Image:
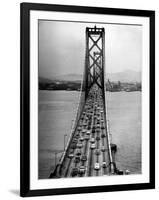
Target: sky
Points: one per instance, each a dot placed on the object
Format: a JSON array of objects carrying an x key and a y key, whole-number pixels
[{"x": 62, "y": 47}]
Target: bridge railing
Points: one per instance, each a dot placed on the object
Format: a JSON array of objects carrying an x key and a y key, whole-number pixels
[
  {"x": 78, "y": 112},
  {"x": 107, "y": 128}
]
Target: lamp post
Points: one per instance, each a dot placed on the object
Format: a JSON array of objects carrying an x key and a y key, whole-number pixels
[
  {"x": 108, "y": 123},
  {"x": 65, "y": 136},
  {"x": 55, "y": 158},
  {"x": 72, "y": 124}
]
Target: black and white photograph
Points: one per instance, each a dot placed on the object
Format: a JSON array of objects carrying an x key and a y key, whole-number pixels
[
  {"x": 86, "y": 99},
  {"x": 89, "y": 98}
]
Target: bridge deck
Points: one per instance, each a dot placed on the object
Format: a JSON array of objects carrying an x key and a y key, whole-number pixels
[{"x": 88, "y": 153}]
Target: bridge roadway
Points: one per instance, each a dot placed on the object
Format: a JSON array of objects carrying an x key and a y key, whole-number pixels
[{"x": 87, "y": 153}]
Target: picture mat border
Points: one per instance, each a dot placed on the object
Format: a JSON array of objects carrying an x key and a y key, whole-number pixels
[
  {"x": 25, "y": 95},
  {"x": 87, "y": 181}
]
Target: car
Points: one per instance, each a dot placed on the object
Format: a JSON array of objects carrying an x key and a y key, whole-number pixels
[
  {"x": 73, "y": 146},
  {"x": 89, "y": 126},
  {"x": 84, "y": 158},
  {"x": 84, "y": 124},
  {"x": 127, "y": 172},
  {"x": 119, "y": 172},
  {"x": 97, "y": 152},
  {"x": 78, "y": 153},
  {"x": 83, "y": 131},
  {"x": 104, "y": 164},
  {"x": 93, "y": 130},
  {"x": 81, "y": 139},
  {"x": 92, "y": 140},
  {"x": 71, "y": 155},
  {"x": 77, "y": 159},
  {"x": 95, "y": 114},
  {"x": 75, "y": 140},
  {"x": 77, "y": 136},
  {"x": 82, "y": 170},
  {"x": 71, "y": 151},
  {"x": 103, "y": 135},
  {"x": 79, "y": 145},
  {"x": 97, "y": 138},
  {"x": 86, "y": 137},
  {"x": 88, "y": 132},
  {"x": 98, "y": 129},
  {"x": 98, "y": 108},
  {"x": 79, "y": 128},
  {"x": 74, "y": 171},
  {"x": 82, "y": 118},
  {"x": 96, "y": 166},
  {"x": 103, "y": 149},
  {"x": 90, "y": 117},
  {"x": 93, "y": 146},
  {"x": 94, "y": 126},
  {"x": 102, "y": 127}
]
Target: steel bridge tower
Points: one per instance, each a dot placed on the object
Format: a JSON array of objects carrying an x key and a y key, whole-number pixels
[{"x": 94, "y": 60}]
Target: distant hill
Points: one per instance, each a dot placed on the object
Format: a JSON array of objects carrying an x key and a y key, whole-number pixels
[
  {"x": 44, "y": 80},
  {"x": 125, "y": 76},
  {"x": 69, "y": 77}
]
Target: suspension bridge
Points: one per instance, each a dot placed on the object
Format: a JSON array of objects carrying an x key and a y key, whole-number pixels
[{"x": 89, "y": 150}]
